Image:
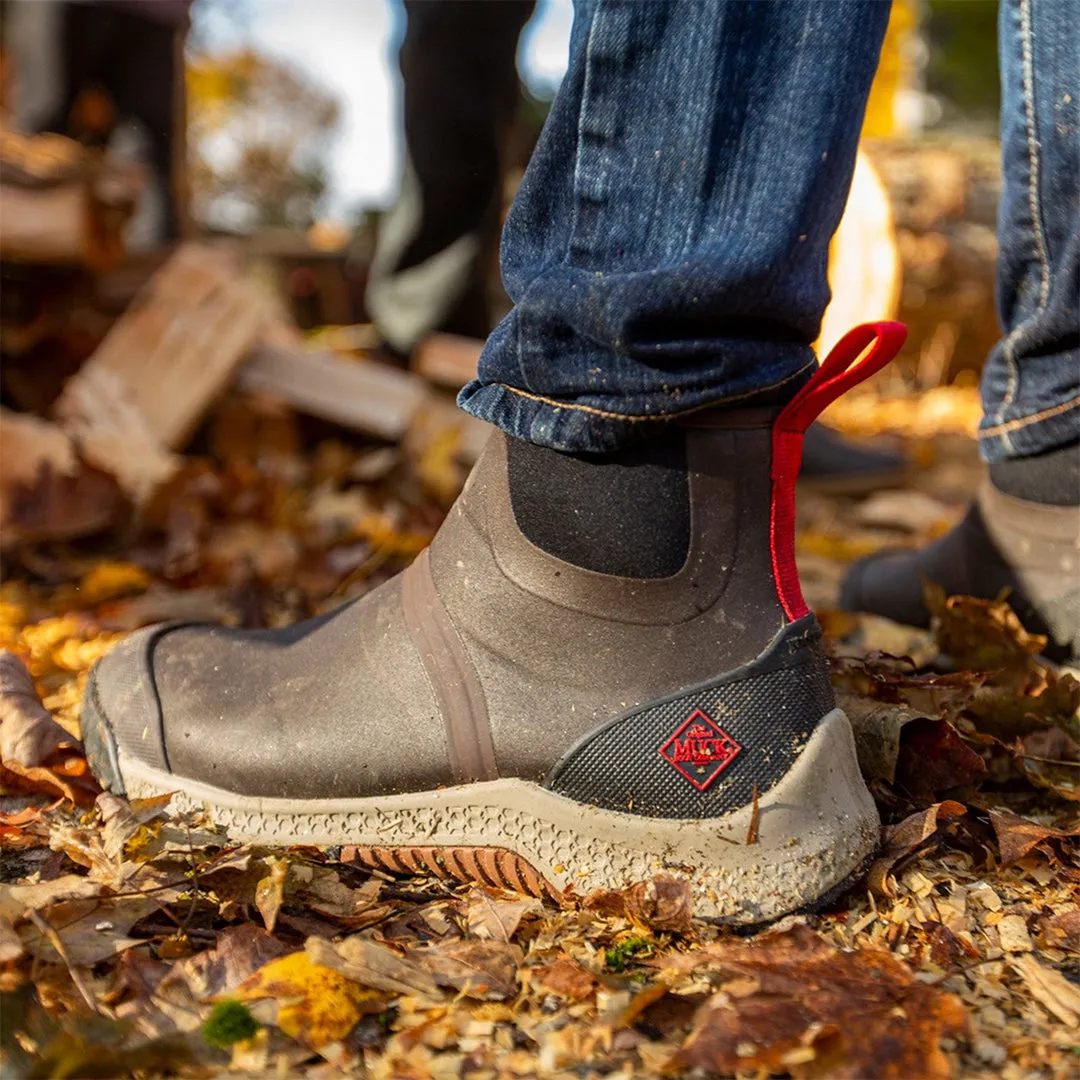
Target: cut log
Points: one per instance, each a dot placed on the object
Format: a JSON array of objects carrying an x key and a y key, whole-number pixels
[
  {"x": 447, "y": 359},
  {"x": 49, "y": 225},
  {"x": 62, "y": 205},
  {"x": 46, "y": 492},
  {"x": 164, "y": 361},
  {"x": 359, "y": 394}
]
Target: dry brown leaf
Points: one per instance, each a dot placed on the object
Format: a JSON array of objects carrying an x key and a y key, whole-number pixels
[
  {"x": 29, "y": 735},
  {"x": 822, "y": 1013},
  {"x": 1017, "y": 836},
  {"x": 980, "y": 635},
  {"x": 1061, "y": 930},
  {"x": 565, "y": 977},
  {"x": 933, "y": 760},
  {"x": 1050, "y": 759},
  {"x": 371, "y": 964},
  {"x": 488, "y": 914},
  {"x": 15, "y": 899},
  {"x": 90, "y": 930},
  {"x": 907, "y": 838},
  {"x": 240, "y": 952},
  {"x": 483, "y": 969},
  {"x": 68, "y": 775},
  {"x": 270, "y": 891},
  {"x": 25, "y": 828},
  {"x": 322, "y": 890},
  {"x": 662, "y": 903},
  {"x": 11, "y": 946}
]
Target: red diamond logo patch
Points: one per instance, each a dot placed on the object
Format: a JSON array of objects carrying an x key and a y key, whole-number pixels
[{"x": 701, "y": 750}]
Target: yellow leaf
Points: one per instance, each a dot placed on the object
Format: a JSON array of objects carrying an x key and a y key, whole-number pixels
[
  {"x": 107, "y": 580},
  {"x": 316, "y": 1005},
  {"x": 833, "y": 546}
]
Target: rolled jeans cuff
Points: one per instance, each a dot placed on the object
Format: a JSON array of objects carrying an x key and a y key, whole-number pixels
[
  {"x": 1022, "y": 436},
  {"x": 577, "y": 427}
]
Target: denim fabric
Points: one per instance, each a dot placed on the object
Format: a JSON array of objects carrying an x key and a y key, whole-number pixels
[
  {"x": 1031, "y": 383},
  {"x": 668, "y": 246}
]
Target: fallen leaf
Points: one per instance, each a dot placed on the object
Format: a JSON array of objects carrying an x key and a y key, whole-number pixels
[
  {"x": 316, "y": 1005},
  {"x": 1050, "y": 759},
  {"x": 932, "y": 759},
  {"x": 67, "y": 775},
  {"x": 29, "y": 735},
  {"x": 565, "y": 977},
  {"x": 876, "y": 726},
  {"x": 108, "y": 580},
  {"x": 489, "y": 915},
  {"x": 270, "y": 891},
  {"x": 1061, "y": 930},
  {"x": 914, "y": 834},
  {"x": 90, "y": 930},
  {"x": 980, "y": 635},
  {"x": 662, "y": 903},
  {"x": 26, "y": 828},
  {"x": 1016, "y": 705},
  {"x": 240, "y": 952},
  {"x": 11, "y": 946},
  {"x": 483, "y": 969},
  {"x": 370, "y": 964},
  {"x": 321, "y": 889},
  {"x": 15, "y": 899},
  {"x": 893, "y": 679},
  {"x": 124, "y": 819},
  {"x": 1018, "y": 837},
  {"x": 821, "y": 1013}
]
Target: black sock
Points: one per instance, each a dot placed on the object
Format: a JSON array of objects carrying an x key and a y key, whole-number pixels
[
  {"x": 1052, "y": 477},
  {"x": 626, "y": 513}
]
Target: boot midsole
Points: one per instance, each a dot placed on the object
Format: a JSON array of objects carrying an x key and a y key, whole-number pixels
[{"x": 814, "y": 828}]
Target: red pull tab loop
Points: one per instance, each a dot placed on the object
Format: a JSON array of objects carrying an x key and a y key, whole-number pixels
[
  {"x": 844, "y": 367},
  {"x": 841, "y": 370}
]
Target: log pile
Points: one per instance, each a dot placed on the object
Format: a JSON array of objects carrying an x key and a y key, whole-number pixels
[
  {"x": 61, "y": 204},
  {"x": 111, "y": 379}
]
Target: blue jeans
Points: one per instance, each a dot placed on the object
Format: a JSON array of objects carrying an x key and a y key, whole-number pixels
[
  {"x": 1031, "y": 382},
  {"x": 668, "y": 246}
]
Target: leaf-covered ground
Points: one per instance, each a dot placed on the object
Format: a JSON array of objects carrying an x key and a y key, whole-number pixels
[{"x": 135, "y": 942}]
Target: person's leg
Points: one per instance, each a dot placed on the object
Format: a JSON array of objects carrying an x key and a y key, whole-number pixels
[
  {"x": 668, "y": 246},
  {"x": 434, "y": 249},
  {"x": 143, "y": 77},
  {"x": 1020, "y": 537},
  {"x": 603, "y": 666}
]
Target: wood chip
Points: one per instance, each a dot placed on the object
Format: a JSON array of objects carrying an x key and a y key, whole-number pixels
[{"x": 1050, "y": 989}]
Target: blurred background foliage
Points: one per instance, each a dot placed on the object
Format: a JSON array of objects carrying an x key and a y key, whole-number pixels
[
  {"x": 259, "y": 132},
  {"x": 262, "y": 129},
  {"x": 961, "y": 66}
]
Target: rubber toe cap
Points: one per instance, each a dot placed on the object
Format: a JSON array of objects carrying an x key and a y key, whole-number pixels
[{"x": 121, "y": 708}]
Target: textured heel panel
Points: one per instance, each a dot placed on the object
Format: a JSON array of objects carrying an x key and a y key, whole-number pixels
[{"x": 702, "y": 752}]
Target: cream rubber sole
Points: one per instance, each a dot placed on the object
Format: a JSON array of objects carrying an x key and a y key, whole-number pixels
[{"x": 816, "y": 828}]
